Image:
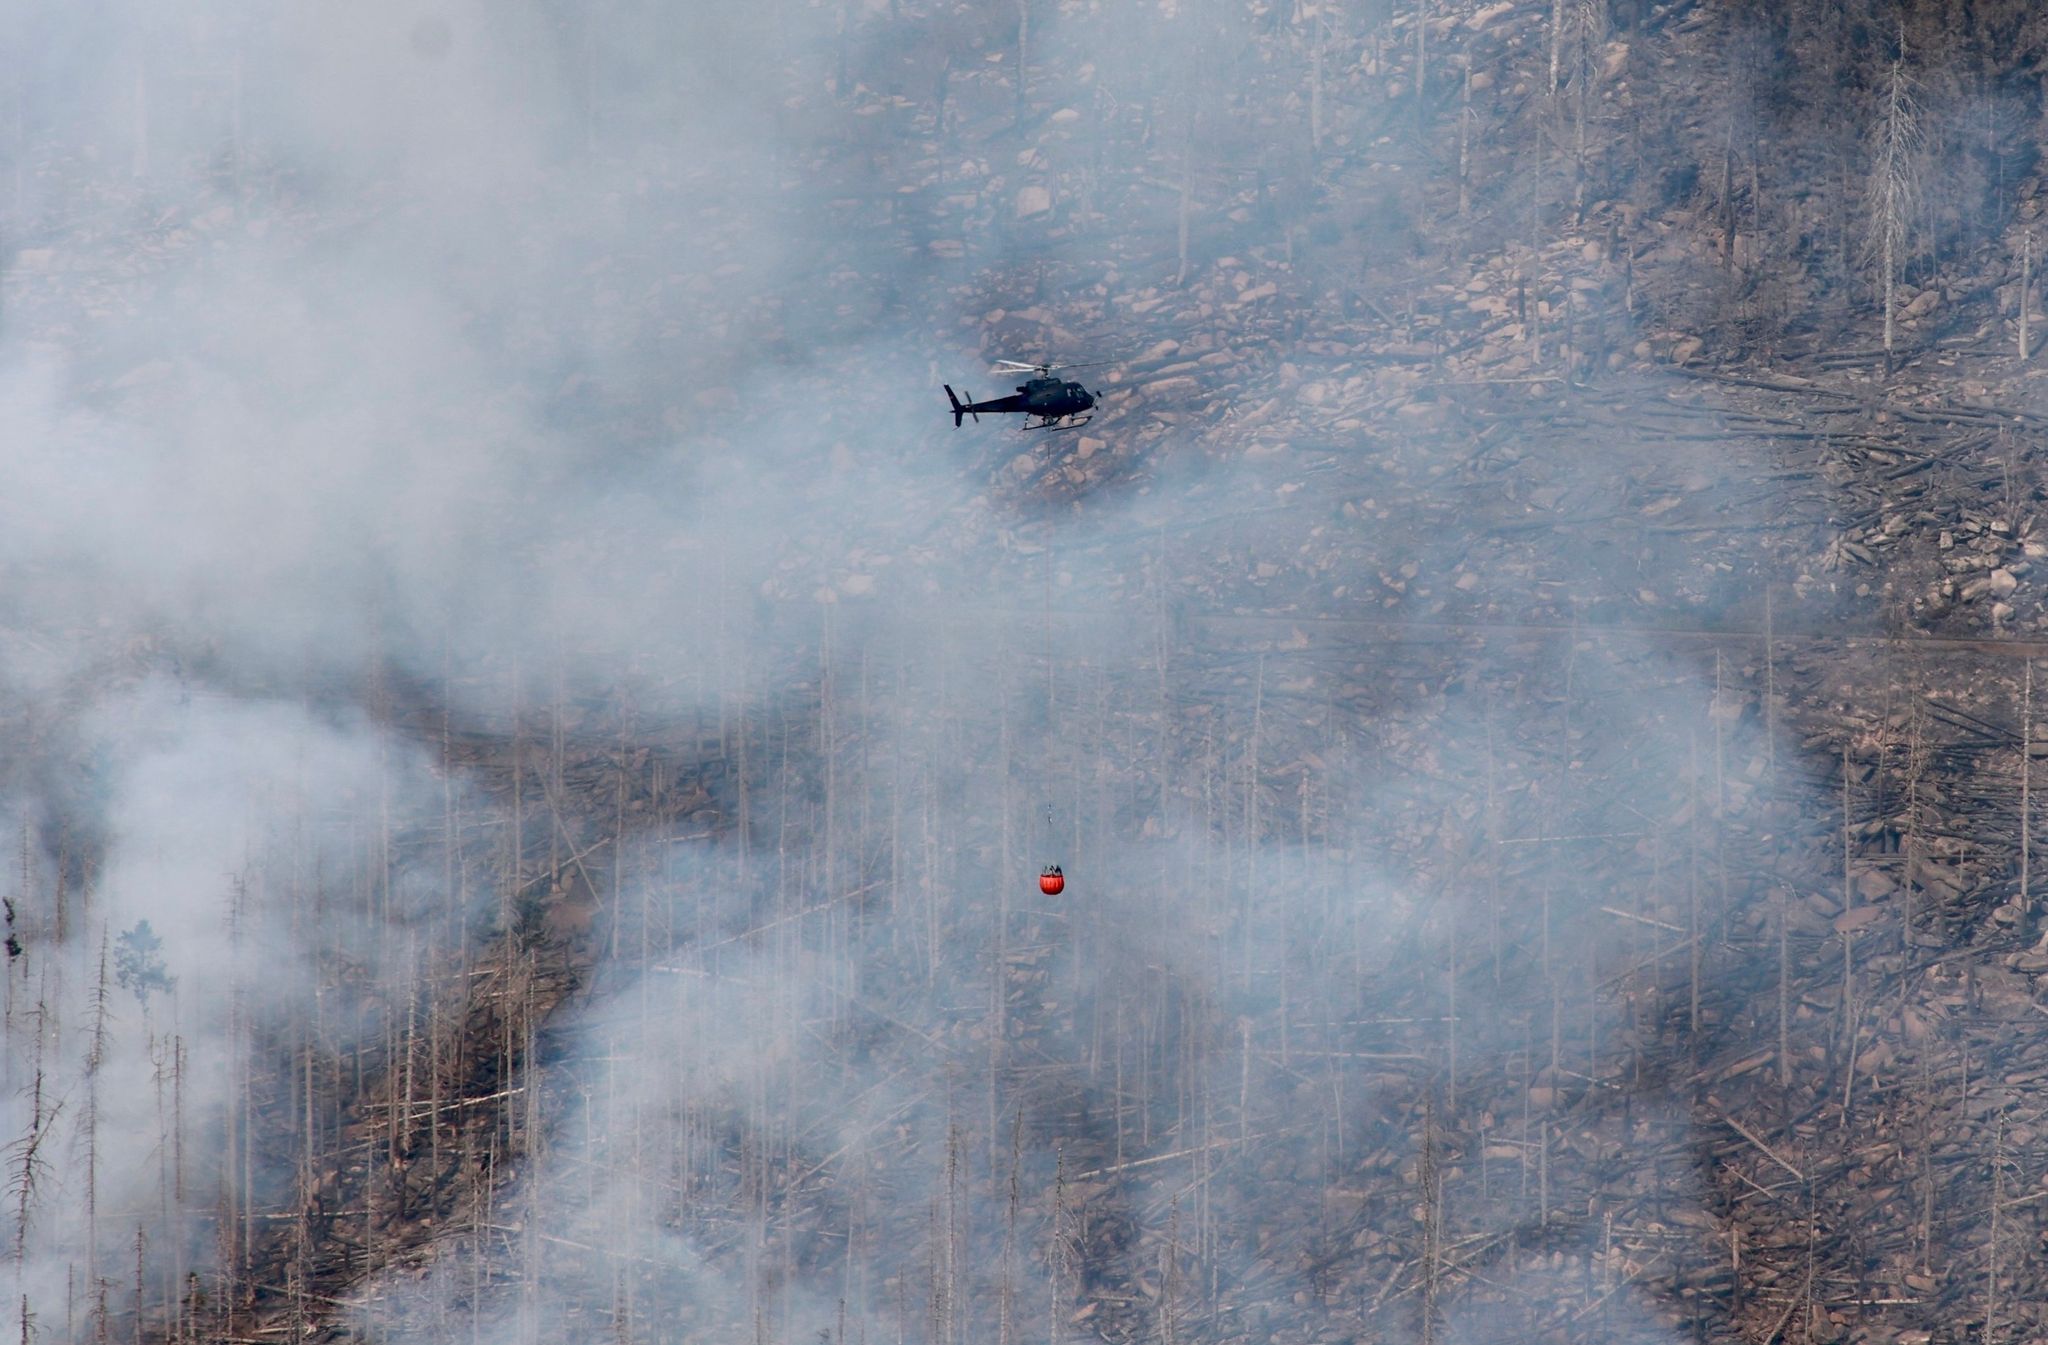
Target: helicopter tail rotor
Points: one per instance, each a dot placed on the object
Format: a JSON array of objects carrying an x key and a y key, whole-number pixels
[{"x": 961, "y": 408}]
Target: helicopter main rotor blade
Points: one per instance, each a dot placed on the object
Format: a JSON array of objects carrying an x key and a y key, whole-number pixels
[{"x": 1019, "y": 367}]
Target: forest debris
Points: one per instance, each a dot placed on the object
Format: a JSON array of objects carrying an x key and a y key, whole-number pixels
[
  {"x": 1752, "y": 1137},
  {"x": 1727, "y": 862},
  {"x": 1478, "y": 19},
  {"x": 1922, "y": 304}
]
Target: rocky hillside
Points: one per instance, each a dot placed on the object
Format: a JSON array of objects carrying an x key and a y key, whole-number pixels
[{"x": 532, "y": 737}]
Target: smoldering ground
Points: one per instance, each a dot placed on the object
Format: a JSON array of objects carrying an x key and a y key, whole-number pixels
[
  {"x": 964, "y": 1085},
  {"x": 246, "y": 383},
  {"x": 421, "y": 342},
  {"x": 144, "y": 976}
]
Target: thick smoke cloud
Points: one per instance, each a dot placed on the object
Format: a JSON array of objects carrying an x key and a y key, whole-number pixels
[{"x": 514, "y": 353}]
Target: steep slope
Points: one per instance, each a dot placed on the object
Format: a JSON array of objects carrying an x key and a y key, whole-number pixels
[{"x": 1534, "y": 704}]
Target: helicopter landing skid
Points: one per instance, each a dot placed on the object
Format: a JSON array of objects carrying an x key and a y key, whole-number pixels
[{"x": 1057, "y": 425}]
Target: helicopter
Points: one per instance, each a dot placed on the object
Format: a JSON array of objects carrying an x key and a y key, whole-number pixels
[{"x": 1047, "y": 403}]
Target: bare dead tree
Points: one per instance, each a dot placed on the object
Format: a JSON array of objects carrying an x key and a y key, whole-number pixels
[
  {"x": 1431, "y": 1195},
  {"x": 1421, "y": 63},
  {"x": 1318, "y": 38},
  {"x": 2026, "y": 786},
  {"x": 95, "y": 1056},
  {"x": 1589, "y": 31},
  {"x": 1465, "y": 142},
  {"x": 141, "y": 1262},
  {"x": 1023, "y": 60},
  {"x": 1894, "y": 190},
  {"x": 2026, "y": 285},
  {"x": 27, "y": 1168},
  {"x": 1991, "y": 1304},
  {"x": 1557, "y": 25},
  {"x": 1060, "y": 1251}
]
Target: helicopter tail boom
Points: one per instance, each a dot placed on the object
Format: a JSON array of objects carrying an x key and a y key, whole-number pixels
[{"x": 961, "y": 408}]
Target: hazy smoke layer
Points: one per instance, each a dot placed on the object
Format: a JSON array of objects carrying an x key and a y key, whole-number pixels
[{"x": 443, "y": 436}]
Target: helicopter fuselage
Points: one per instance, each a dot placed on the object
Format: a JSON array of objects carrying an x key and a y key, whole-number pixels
[
  {"x": 1049, "y": 400},
  {"x": 1055, "y": 399}
]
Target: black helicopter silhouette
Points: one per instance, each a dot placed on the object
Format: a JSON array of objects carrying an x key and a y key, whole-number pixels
[{"x": 1047, "y": 403}]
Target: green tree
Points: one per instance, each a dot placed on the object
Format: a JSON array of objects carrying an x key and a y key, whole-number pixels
[{"x": 139, "y": 963}]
